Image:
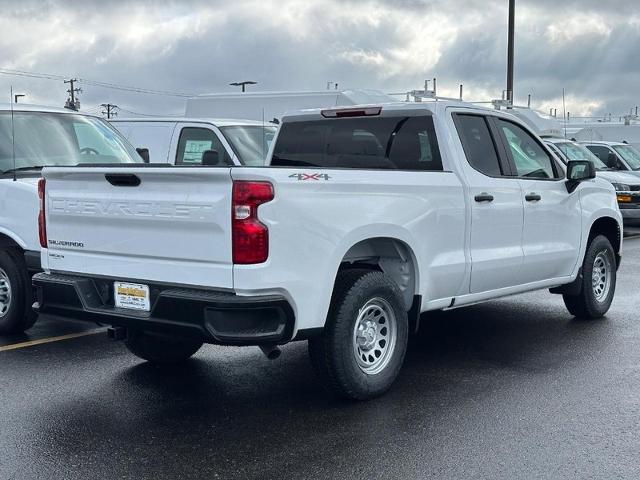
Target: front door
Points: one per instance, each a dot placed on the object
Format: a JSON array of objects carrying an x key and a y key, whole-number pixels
[{"x": 552, "y": 216}]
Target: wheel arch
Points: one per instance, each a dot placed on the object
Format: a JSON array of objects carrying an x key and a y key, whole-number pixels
[
  {"x": 610, "y": 228},
  {"x": 391, "y": 256},
  {"x": 8, "y": 241}
]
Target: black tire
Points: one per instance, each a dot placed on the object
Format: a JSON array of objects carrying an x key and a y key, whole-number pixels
[
  {"x": 17, "y": 315},
  {"x": 332, "y": 353},
  {"x": 587, "y": 305},
  {"x": 159, "y": 348}
]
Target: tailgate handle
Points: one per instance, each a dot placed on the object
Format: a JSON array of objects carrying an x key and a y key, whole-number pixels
[{"x": 123, "y": 179}]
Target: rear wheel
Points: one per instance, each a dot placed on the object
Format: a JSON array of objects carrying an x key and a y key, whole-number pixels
[
  {"x": 362, "y": 348},
  {"x": 599, "y": 281},
  {"x": 159, "y": 348},
  {"x": 16, "y": 294}
]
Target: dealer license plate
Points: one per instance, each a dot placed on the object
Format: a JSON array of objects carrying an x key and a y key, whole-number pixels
[{"x": 132, "y": 295}]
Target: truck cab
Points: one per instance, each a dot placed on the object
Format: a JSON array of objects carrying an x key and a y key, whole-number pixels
[
  {"x": 616, "y": 155},
  {"x": 184, "y": 141}
]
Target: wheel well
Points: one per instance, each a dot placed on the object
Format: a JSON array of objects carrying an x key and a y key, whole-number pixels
[
  {"x": 608, "y": 227},
  {"x": 8, "y": 242},
  {"x": 388, "y": 255}
]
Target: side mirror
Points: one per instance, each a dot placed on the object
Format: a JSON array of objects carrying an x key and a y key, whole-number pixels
[
  {"x": 144, "y": 153},
  {"x": 612, "y": 161},
  {"x": 210, "y": 158},
  {"x": 579, "y": 171}
]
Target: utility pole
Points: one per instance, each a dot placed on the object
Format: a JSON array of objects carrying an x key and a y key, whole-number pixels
[
  {"x": 510, "y": 50},
  {"x": 16, "y": 96},
  {"x": 243, "y": 85},
  {"x": 110, "y": 110},
  {"x": 72, "y": 102}
]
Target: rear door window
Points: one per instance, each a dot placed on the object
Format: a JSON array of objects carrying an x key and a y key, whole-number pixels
[
  {"x": 388, "y": 143},
  {"x": 478, "y": 143},
  {"x": 194, "y": 142}
]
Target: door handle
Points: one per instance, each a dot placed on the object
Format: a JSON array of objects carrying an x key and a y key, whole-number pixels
[
  {"x": 483, "y": 197},
  {"x": 532, "y": 197},
  {"x": 122, "y": 179}
]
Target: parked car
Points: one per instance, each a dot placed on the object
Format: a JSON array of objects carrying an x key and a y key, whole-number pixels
[
  {"x": 190, "y": 141},
  {"x": 616, "y": 155},
  {"x": 626, "y": 184},
  {"x": 365, "y": 217},
  {"x": 30, "y": 138}
]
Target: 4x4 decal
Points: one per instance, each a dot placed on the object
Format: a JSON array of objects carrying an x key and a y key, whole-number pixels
[{"x": 310, "y": 176}]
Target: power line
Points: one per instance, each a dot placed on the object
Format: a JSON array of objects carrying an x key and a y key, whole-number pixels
[
  {"x": 122, "y": 109},
  {"x": 95, "y": 83}
]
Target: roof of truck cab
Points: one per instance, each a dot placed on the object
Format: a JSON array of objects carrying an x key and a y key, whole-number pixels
[
  {"x": 27, "y": 107},
  {"x": 218, "y": 122},
  {"x": 433, "y": 106}
]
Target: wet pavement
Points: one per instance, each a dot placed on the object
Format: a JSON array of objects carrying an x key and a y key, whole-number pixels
[{"x": 513, "y": 388}]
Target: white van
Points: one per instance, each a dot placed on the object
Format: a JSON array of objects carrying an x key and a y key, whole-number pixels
[
  {"x": 267, "y": 106},
  {"x": 198, "y": 141}
]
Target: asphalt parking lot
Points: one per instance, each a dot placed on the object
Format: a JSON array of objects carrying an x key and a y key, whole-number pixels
[{"x": 510, "y": 389}]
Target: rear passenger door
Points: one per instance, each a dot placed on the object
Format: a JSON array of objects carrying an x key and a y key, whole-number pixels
[
  {"x": 496, "y": 206},
  {"x": 552, "y": 216}
]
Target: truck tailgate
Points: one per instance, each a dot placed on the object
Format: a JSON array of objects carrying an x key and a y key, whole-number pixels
[{"x": 168, "y": 225}]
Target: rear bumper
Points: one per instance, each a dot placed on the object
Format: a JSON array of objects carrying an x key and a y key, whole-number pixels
[{"x": 210, "y": 316}]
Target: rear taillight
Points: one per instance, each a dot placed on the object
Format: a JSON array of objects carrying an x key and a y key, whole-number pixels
[
  {"x": 250, "y": 238},
  {"x": 42, "y": 222}
]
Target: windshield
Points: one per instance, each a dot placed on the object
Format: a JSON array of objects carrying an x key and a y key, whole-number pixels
[
  {"x": 629, "y": 154},
  {"x": 51, "y": 139},
  {"x": 250, "y": 143},
  {"x": 574, "y": 151}
]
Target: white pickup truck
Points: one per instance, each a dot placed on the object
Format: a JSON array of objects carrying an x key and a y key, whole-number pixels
[
  {"x": 365, "y": 218},
  {"x": 199, "y": 141},
  {"x": 32, "y": 137}
]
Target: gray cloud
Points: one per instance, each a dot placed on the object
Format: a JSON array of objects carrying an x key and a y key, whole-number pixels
[{"x": 585, "y": 46}]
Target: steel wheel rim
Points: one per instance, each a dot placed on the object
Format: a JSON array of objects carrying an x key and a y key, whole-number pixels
[
  {"x": 5, "y": 293},
  {"x": 601, "y": 276},
  {"x": 374, "y": 336}
]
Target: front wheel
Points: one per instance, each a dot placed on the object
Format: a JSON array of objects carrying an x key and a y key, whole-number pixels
[
  {"x": 159, "y": 348},
  {"x": 362, "y": 348},
  {"x": 599, "y": 281}
]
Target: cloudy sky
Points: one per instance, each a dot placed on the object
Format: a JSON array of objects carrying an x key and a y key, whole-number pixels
[{"x": 589, "y": 47}]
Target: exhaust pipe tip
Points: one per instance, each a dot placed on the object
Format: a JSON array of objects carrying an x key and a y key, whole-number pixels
[{"x": 272, "y": 352}]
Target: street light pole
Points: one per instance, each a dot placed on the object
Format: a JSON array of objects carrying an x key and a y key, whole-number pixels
[
  {"x": 510, "y": 50},
  {"x": 243, "y": 85}
]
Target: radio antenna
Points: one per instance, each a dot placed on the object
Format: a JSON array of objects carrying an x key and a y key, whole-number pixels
[{"x": 13, "y": 137}]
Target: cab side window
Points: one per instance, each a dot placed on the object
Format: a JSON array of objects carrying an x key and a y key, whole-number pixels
[
  {"x": 529, "y": 157},
  {"x": 478, "y": 143},
  {"x": 194, "y": 142},
  {"x": 601, "y": 152}
]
